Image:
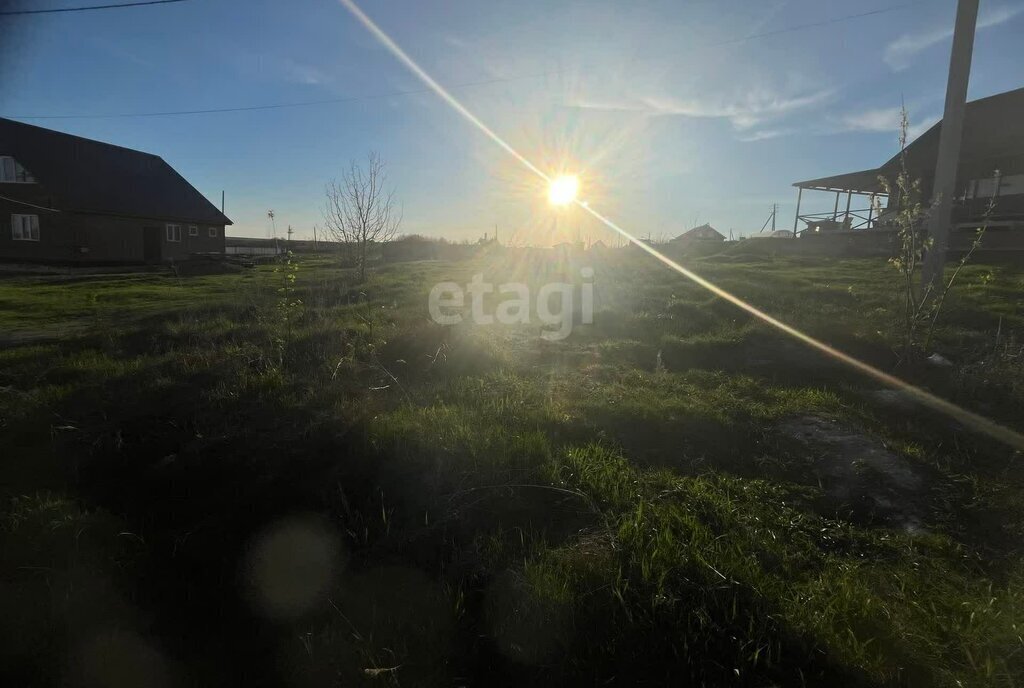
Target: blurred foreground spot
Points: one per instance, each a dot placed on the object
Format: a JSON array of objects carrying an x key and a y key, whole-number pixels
[
  {"x": 290, "y": 566},
  {"x": 118, "y": 659}
]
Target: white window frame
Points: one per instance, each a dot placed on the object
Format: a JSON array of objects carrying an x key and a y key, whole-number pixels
[
  {"x": 193, "y": 230},
  {"x": 17, "y": 168},
  {"x": 18, "y": 228},
  {"x": 213, "y": 232},
  {"x": 173, "y": 233}
]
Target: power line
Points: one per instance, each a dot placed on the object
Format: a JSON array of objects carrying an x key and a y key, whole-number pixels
[
  {"x": 275, "y": 106},
  {"x": 420, "y": 91},
  {"x": 818, "y": 24},
  {"x": 30, "y": 205},
  {"x": 89, "y": 8}
]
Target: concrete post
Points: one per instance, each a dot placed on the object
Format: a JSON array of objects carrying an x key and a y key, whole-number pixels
[
  {"x": 796, "y": 218},
  {"x": 949, "y": 143}
]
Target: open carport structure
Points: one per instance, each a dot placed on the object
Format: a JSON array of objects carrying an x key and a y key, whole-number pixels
[{"x": 846, "y": 214}]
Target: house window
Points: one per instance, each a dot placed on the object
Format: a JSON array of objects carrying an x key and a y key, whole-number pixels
[
  {"x": 25, "y": 227},
  {"x": 1011, "y": 185},
  {"x": 173, "y": 232},
  {"x": 11, "y": 172},
  {"x": 213, "y": 231},
  {"x": 193, "y": 230}
]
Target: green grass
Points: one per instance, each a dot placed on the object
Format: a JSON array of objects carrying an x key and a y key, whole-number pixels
[{"x": 621, "y": 506}]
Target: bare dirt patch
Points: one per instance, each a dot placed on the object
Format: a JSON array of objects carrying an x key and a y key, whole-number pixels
[{"x": 858, "y": 473}]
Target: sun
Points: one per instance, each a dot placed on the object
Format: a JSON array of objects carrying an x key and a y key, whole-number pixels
[{"x": 562, "y": 190}]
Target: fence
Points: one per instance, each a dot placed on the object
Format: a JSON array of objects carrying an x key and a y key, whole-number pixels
[{"x": 253, "y": 250}]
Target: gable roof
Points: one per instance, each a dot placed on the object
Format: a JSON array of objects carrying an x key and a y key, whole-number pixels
[
  {"x": 697, "y": 232},
  {"x": 95, "y": 177},
  {"x": 993, "y": 138}
]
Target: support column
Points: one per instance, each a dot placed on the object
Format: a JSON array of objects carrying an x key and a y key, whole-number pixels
[
  {"x": 949, "y": 142},
  {"x": 796, "y": 218}
]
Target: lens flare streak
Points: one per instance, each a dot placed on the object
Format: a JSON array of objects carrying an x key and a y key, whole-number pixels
[{"x": 967, "y": 418}]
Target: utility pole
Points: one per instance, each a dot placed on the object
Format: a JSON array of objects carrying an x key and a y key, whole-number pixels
[
  {"x": 950, "y": 136},
  {"x": 273, "y": 226},
  {"x": 771, "y": 219},
  {"x": 290, "y": 232}
]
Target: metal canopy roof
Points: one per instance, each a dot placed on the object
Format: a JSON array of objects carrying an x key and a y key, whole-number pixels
[{"x": 865, "y": 181}]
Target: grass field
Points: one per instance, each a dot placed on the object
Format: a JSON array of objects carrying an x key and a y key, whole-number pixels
[{"x": 236, "y": 479}]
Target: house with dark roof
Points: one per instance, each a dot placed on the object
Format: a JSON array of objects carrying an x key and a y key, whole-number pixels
[
  {"x": 705, "y": 232},
  {"x": 70, "y": 199},
  {"x": 991, "y": 169}
]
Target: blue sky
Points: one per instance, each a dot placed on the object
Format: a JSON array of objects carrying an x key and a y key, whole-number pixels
[{"x": 667, "y": 122}]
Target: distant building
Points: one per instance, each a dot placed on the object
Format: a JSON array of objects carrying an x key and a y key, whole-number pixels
[
  {"x": 67, "y": 198},
  {"x": 253, "y": 246},
  {"x": 991, "y": 167},
  {"x": 705, "y": 232}
]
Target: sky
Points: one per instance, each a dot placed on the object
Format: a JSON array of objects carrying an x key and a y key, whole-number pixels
[{"x": 672, "y": 113}]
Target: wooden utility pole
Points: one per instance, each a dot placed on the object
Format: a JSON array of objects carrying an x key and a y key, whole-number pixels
[{"x": 950, "y": 136}]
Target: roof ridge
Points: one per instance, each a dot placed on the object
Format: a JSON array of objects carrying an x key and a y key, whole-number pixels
[{"x": 80, "y": 138}]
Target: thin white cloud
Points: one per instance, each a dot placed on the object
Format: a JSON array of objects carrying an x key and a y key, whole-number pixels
[
  {"x": 880, "y": 119},
  {"x": 883, "y": 120},
  {"x": 455, "y": 42},
  {"x": 743, "y": 112},
  {"x": 298, "y": 72},
  {"x": 900, "y": 53},
  {"x": 765, "y": 134}
]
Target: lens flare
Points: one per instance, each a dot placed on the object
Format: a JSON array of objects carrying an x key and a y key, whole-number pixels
[
  {"x": 562, "y": 190},
  {"x": 968, "y": 418}
]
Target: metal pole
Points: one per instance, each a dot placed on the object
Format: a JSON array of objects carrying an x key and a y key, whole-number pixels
[
  {"x": 796, "y": 219},
  {"x": 950, "y": 137},
  {"x": 835, "y": 211},
  {"x": 871, "y": 211}
]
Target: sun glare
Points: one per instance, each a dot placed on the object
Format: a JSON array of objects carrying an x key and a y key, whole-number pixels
[{"x": 562, "y": 190}]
